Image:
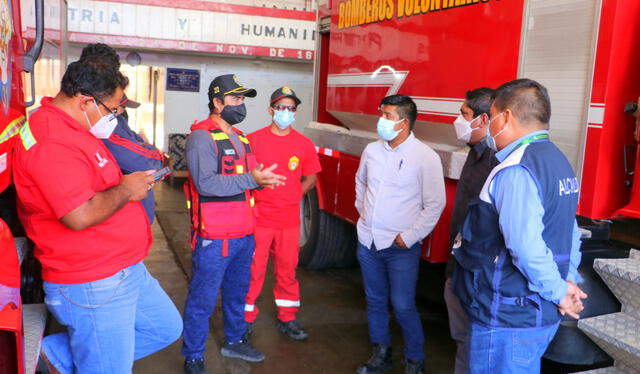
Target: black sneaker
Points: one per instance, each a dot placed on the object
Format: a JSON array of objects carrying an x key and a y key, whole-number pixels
[
  {"x": 195, "y": 366},
  {"x": 293, "y": 330},
  {"x": 379, "y": 362},
  {"x": 413, "y": 367},
  {"x": 242, "y": 350},
  {"x": 248, "y": 331}
]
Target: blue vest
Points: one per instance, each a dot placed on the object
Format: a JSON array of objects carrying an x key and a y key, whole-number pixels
[{"x": 492, "y": 290}]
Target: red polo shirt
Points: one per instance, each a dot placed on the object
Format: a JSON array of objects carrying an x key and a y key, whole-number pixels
[
  {"x": 296, "y": 157},
  {"x": 58, "y": 166}
]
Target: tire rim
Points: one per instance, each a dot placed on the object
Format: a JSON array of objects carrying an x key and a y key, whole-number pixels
[{"x": 305, "y": 220}]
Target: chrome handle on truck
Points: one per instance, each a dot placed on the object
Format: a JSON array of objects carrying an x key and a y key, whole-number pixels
[
  {"x": 628, "y": 171},
  {"x": 29, "y": 59}
]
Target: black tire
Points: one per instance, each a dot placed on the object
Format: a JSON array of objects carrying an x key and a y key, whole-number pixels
[
  {"x": 325, "y": 240},
  {"x": 309, "y": 212}
]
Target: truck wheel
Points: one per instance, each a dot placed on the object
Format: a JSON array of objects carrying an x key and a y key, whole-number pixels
[
  {"x": 309, "y": 212},
  {"x": 324, "y": 239}
]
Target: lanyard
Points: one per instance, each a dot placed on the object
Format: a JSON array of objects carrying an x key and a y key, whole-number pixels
[{"x": 531, "y": 139}]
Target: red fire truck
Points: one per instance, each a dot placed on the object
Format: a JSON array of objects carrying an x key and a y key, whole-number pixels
[
  {"x": 15, "y": 60},
  {"x": 583, "y": 51}
]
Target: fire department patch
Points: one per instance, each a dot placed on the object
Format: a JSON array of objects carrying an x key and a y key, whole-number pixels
[
  {"x": 287, "y": 91},
  {"x": 293, "y": 163}
]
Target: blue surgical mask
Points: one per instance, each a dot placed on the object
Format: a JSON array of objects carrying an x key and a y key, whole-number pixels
[
  {"x": 385, "y": 129},
  {"x": 491, "y": 140},
  {"x": 283, "y": 118}
]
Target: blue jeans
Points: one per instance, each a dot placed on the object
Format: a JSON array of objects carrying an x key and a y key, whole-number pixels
[
  {"x": 392, "y": 273},
  {"x": 110, "y": 322},
  {"x": 508, "y": 351},
  {"x": 210, "y": 272}
]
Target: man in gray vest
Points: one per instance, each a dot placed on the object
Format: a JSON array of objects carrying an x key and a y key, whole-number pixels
[{"x": 519, "y": 247}]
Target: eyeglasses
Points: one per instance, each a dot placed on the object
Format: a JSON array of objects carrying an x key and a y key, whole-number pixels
[
  {"x": 113, "y": 112},
  {"x": 285, "y": 107}
]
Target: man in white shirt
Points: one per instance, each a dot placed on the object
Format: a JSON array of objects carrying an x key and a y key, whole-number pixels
[{"x": 399, "y": 196}]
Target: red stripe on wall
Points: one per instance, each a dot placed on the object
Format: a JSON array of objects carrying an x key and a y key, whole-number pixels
[
  {"x": 225, "y": 8},
  {"x": 182, "y": 45}
]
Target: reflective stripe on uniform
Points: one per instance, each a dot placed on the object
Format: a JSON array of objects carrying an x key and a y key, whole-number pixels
[
  {"x": 217, "y": 136},
  {"x": 12, "y": 129},
  {"x": 249, "y": 308},
  {"x": 28, "y": 140},
  {"x": 287, "y": 303},
  {"x": 243, "y": 139}
]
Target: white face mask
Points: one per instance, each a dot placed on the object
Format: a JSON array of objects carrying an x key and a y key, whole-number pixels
[
  {"x": 104, "y": 127},
  {"x": 463, "y": 128}
]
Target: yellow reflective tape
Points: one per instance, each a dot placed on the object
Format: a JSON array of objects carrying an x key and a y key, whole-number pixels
[
  {"x": 239, "y": 169},
  {"x": 219, "y": 136},
  {"x": 12, "y": 129},
  {"x": 28, "y": 140},
  {"x": 243, "y": 139},
  {"x": 252, "y": 202},
  {"x": 188, "y": 204},
  {"x": 235, "y": 90}
]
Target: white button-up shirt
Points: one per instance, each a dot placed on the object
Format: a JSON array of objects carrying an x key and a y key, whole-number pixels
[{"x": 398, "y": 191}]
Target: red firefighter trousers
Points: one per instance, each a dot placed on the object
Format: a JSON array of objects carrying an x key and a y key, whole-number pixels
[{"x": 283, "y": 246}]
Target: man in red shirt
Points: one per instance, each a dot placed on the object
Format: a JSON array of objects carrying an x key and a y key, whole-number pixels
[
  {"x": 90, "y": 231},
  {"x": 278, "y": 227}
]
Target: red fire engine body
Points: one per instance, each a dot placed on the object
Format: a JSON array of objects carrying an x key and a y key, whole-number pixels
[
  {"x": 14, "y": 60},
  {"x": 436, "y": 50},
  {"x": 583, "y": 51}
]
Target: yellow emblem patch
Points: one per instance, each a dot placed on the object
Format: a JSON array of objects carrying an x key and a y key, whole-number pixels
[
  {"x": 287, "y": 91},
  {"x": 239, "y": 169},
  {"x": 293, "y": 163}
]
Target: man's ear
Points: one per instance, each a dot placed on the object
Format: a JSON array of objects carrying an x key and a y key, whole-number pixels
[
  {"x": 84, "y": 101},
  {"x": 483, "y": 121},
  {"x": 270, "y": 111},
  {"x": 509, "y": 118},
  {"x": 217, "y": 104}
]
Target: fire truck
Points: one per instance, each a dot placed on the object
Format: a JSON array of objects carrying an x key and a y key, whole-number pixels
[
  {"x": 21, "y": 322},
  {"x": 583, "y": 51}
]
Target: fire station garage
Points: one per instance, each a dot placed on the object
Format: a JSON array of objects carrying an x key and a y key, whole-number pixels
[{"x": 319, "y": 186}]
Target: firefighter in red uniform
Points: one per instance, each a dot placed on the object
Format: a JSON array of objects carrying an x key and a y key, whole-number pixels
[
  {"x": 278, "y": 228},
  {"x": 222, "y": 174}
]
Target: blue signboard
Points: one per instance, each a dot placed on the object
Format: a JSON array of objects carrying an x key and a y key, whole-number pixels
[{"x": 183, "y": 80}]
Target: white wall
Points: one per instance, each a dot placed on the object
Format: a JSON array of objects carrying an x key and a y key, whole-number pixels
[{"x": 181, "y": 109}]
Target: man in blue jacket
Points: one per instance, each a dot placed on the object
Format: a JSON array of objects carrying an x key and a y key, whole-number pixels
[
  {"x": 519, "y": 247},
  {"x": 133, "y": 152}
]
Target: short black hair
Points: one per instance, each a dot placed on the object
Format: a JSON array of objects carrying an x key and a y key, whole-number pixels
[
  {"x": 101, "y": 53},
  {"x": 528, "y": 100},
  {"x": 479, "y": 100},
  {"x": 92, "y": 79},
  {"x": 406, "y": 107}
]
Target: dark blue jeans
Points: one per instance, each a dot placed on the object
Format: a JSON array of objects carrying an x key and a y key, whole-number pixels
[
  {"x": 392, "y": 273},
  {"x": 211, "y": 272}
]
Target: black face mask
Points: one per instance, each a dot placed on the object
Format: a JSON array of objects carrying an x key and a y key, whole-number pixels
[{"x": 234, "y": 114}]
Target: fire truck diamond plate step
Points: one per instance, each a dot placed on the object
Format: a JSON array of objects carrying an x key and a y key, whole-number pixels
[
  {"x": 622, "y": 276},
  {"x": 617, "y": 334},
  {"x": 34, "y": 319}
]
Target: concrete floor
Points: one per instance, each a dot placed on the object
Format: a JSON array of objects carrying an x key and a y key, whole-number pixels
[{"x": 333, "y": 313}]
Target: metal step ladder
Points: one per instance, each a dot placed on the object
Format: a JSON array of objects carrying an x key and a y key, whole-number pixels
[
  {"x": 34, "y": 319},
  {"x": 618, "y": 334}
]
